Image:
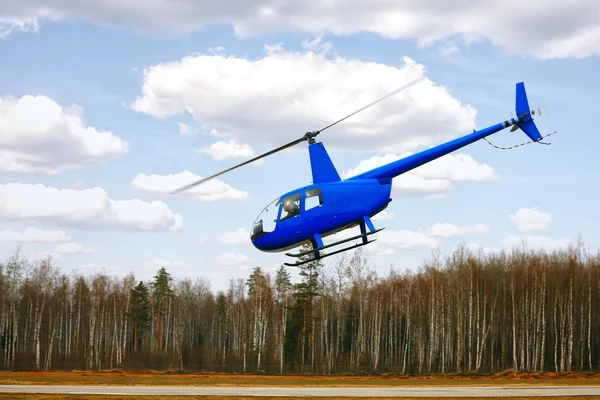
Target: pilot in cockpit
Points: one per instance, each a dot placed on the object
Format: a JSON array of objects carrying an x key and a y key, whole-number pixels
[{"x": 291, "y": 208}]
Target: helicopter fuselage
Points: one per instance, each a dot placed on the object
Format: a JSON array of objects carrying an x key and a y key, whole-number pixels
[{"x": 337, "y": 206}]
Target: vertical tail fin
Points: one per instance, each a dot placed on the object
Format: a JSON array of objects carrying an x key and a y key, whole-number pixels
[{"x": 524, "y": 117}]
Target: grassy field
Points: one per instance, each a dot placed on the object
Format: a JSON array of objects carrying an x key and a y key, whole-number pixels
[{"x": 172, "y": 379}]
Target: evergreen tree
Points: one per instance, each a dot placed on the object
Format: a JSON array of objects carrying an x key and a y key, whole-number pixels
[
  {"x": 305, "y": 293},
  {"x": 139, "y": 312},
  {"x": 162, "y": 292}
]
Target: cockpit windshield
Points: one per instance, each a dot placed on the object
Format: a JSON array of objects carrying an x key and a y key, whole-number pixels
[{"x": 266, "y": 220}]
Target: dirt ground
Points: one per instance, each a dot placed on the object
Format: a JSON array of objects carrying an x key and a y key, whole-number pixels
[{"x": 199, "y": 379}]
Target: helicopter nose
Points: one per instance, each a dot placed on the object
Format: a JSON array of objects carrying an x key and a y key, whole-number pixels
[{"x": 262, "y": 242}]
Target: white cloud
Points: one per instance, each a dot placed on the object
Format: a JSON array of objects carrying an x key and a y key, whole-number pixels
[
  {"x": 216, "y": 49},
  {"x": 285, "y": 94},
  {"x": 434, "y": 178},
  {"x": 447, "y": 230},
  {"x": 475, "y": 247},
  {"x": 537, "y": 242},
  {"x": 33, "y": 235},
  {"x": 38, "y": 135},
  {"x": 89, "y": 208},
  {"x": 161, "y": 262},
  {"x": 531, "y": 219},
  {"x": 224, "y": 150},
  {"x": 384, "y": 216},
  {"x": 213, "y": 190},
  {"x": 239, "y": 236},
  {"x": 44, "y": 255},
  {"x": 10, "y": 25},
  {"x": 229, "y": 259},
  {"x": 78, "y": 185},
  {"x": 406, "y": 240},
  {"x": 389, "y": 240},
  {"x": 95, "y": 268},
  {"x": 184, "y": 129},
  {"x": 73, "y": 248},
  {"x": 383, "y": 251},
  {"x": 550, "y": 29}
]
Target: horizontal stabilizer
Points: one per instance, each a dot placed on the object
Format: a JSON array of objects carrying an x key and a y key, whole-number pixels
[{"x": 531, "y": 130}]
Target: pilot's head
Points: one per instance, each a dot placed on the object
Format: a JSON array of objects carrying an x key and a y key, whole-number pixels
[{"x": 290, "y": 207}]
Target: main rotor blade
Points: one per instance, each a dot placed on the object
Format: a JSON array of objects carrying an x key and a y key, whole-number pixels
[
  {"x": 285, "y": 146},
  {"x": 307, "y": 136},
  {"x": 409, "y": 84}
]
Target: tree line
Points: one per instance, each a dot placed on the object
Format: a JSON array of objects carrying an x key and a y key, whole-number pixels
[{"x": 469, "y": 312}]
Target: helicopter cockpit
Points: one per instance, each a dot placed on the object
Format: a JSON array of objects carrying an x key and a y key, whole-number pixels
[{"x": 267, "y": 219}]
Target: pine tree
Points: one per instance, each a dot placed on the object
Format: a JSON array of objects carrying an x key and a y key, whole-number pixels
[
  {"x": 162, "y": 291},
  {"x": 305, "y": 293},
  {"x": 139, "y": 312}
]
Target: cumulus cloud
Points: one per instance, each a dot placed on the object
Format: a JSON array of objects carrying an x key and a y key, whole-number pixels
[
  {"x": 531, "y": 219},
  {"x": 38, "y": 135},
  {"x": 184, "y": 129},
  {"x": 161, "y": 262},
  {"x": 475, "y": 247},
  {"x": 73, "y": 248},
  {"x": 88, "y": 209},
  {"x": 33, "y": 235},
  {"x": 10, "y": 25},
  {"x": 224, "y": 150},
  {"x": 382, "y": 251},
  {"x": 547, "y": 31},
  {"x": 537, "y": 242},
  {"x": 406, "y": 240},
  {"x": 285, "y": 94},
  {"x": 434, "y": 178},
  {"x": 213, "y": 190},
  {"x": 229, "y": 259},
  {"x": 62, "y": 250},
  {"x": 384, "y": 216},
  {"x": 389, "y": 240},
  {"x": 239, "y": 236},
  {"x": 95, "y": 268},
  {"x": 447, "y": 230}
]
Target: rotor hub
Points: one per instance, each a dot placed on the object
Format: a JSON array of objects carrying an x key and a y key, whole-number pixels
[{"x": 310, "y": 136}]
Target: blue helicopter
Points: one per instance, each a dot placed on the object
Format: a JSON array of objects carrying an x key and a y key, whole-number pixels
[{"x": 330, "y": 205}]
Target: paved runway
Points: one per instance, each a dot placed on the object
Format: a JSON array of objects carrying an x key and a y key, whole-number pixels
[{"x": 431, "y": 391}]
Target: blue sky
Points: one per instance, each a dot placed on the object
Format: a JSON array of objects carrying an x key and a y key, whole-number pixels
[{"x": 262, "y": 90}]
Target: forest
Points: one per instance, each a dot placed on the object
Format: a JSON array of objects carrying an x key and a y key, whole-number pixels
[{"x": 464, "y": 313}]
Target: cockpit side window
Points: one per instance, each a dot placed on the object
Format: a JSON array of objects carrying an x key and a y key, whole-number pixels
[
  {"x": 291, "y": 206},
  {"x": 314, "y": 198}
]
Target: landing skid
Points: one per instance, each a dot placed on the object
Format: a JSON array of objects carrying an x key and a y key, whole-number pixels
[{"x": 318, "y": 249}]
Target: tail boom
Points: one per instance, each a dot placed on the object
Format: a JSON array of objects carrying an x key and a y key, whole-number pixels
[
  {"x": 399, "y": 167},
  {"x": 523, "y": 121}
]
